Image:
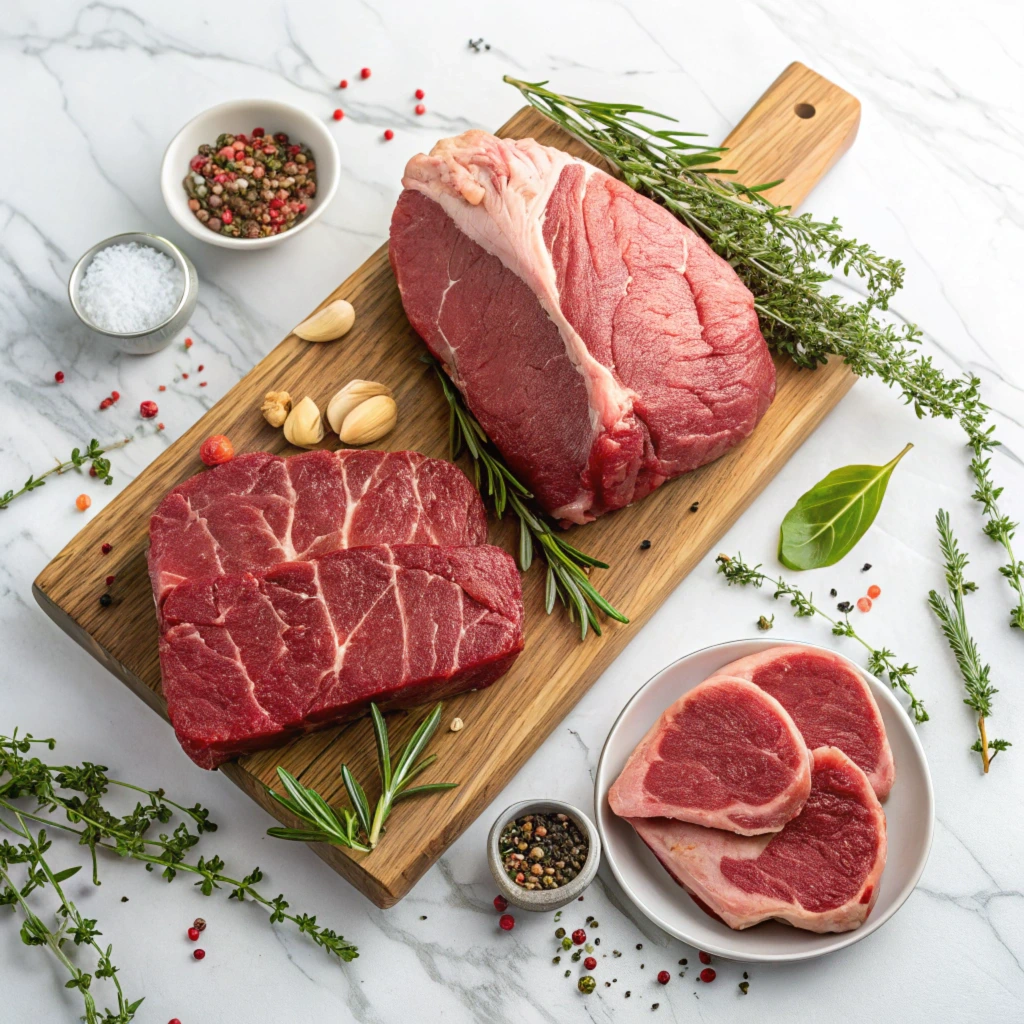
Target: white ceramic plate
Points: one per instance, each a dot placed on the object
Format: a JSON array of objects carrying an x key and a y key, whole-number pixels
[{"x": 909, "y": 813}]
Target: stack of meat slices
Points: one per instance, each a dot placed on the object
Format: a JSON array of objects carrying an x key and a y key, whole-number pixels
[
  {"x": 292, "y": 593},
  {"x": 759, "y": 791}
]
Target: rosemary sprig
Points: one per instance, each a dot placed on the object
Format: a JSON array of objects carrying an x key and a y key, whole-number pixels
[
  {"x": 881, "y": 661},
  {"x": 93, "y": 454},
  {"x": 782, "y": 258},
  {"x": 568, "y": 568},
  {"x": 78, "y": 794},
  {"x": 342, "y": 828},
  {"x": 953, "y": 620}
]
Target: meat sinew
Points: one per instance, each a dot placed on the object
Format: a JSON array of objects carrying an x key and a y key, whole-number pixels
[
  {"x": 260, "y": 509},
  {"x": 252, "y": 659},
  {"x": 725, "y": 755},
  {"x": 830, "y": 702},
  {"x": 602, "y": 345},
  {"x": 820, "y": 873}
]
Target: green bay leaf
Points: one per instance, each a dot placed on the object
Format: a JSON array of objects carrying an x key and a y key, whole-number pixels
[{"x": 826, "y": 522}]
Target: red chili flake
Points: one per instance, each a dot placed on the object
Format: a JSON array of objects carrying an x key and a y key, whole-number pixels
[
  {"x": 338, "y": 114},
  {"x": 115, "y": 395},
  {"x": 420, "y": 109},
  {"x": 664, "y": 977},
  {"x": 200, "y": 369},
  {"x": 184, "y": 376},
  {"x": 59, "y": 376},
  {"x": 106, "y": 548},
  {"x": 389, "y": 134},
  {"x": 106, "y": 403},
  {"x": 420, "y": 94},
  {"x": 110, "y": 580},
  {"x": 148, "y": 409},
  {"x": 193, "y": 934},
  {"x": 874, "y": 591},
  {"x": 500, "y": 903},
  {"x": 579, "y": 937},
  {"x": 198, "y": 954},
  {"x": 189, "y": 343},
  {"x": 216, "y": 449},
  {"x": 258, "y": 133},
  {"x": 202, "y": 383},
  {"x": 163, "y": 387},
  {"x": 343, "y": 84},
  {"x": 506, "y": 922},
  {"x": 864, "y": 604},
  {"x": 365, "y": 73},
  {"x": 705, "y": 958},
  {"x": 590, "y": 963},
  {"x": 708, "y": 975}
]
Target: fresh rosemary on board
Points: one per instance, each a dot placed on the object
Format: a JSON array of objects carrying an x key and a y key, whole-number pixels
[
  {"x": 780, "y": 258},
  {"x": 881, "y": 661},
  {"x": 73, "y": 799},
  {"x": 93, "y": 454},
  {"x": 568, "y": 568},
  {"x": 327, "y": 825},
  {"x": 953, "y": 619}
]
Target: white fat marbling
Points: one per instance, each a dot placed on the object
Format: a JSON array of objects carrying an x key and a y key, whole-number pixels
[{"x": 91, "y": 94}]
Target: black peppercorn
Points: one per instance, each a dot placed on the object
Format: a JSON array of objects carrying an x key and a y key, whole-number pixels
[
  {"x": 695, "y": 506},
  {"x": 106, "y": 600},
  {"x": 833, "y": 592},
  {"x": 865, "y": 567},
  {"x": 644, "y": 545}
]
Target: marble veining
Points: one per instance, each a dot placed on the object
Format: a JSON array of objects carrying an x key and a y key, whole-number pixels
[{"x": 93, "y": 92}]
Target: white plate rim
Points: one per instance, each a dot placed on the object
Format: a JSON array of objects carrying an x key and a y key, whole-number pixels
[{"x": 840, "y": 940}]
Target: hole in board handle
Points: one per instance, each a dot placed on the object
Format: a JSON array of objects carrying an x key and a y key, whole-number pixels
[{"x": 804, "y": 110}]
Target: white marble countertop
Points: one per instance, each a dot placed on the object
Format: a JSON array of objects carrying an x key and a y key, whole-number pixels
[{"x": 93, "y": 92}]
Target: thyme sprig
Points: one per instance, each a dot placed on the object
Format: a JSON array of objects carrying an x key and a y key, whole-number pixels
[
  {"x": 953, "y": 620},
  {"x": 94, "y": 454},
  {"x": 73, "y": 799},
  {"x": 881, "y": 661},
  {"x": 342, "y": 828},
  {"x": 568, "y": 568},
  {"x": 782, "y": 259}
]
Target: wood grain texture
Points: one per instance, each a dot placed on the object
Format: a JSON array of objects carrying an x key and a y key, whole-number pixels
[{"x": 506, "y": 723}]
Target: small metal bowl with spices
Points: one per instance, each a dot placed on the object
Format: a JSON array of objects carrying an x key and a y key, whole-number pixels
[
  {"x": 140, "y": 293},
  {"x": 551, "y": 847}
]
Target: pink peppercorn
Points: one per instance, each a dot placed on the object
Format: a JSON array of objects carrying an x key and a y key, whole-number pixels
[
  {"x": 864, "y": 604},
  {"x": 343, "y": 84},
  {"x": 115, "y": 395},
  {"x": 106, "y": 403},
  {"x": 198, "y": 954},
  {"x": 200, "y": 368},
  {"x": 590, "y": 963},
  {"x": 106, "y": 548},
  {"x": 59, "y": 376},
  {"x": 506, "y": 922},
  {"x": 708, "y": 975},
  {"x": 258, "y": 133},
  {"x": 110, "y": 580},
  {"x": 579, "y": 937},
  {"x": 420, "y": 94},
  {"x": 188, "y": 341},
  {"x": 338, "y": 114},
  {"x": 389, "y": 134},
  {"x": 193, "y": 934},
  {"x": 500, "y": 903},
  {"x": 163, "y": 387},
  {"x": 705, "y": 958},
  {"x": 420, "y": 109},
  {"x": 148, "y": 409},
  {"x": 365, "y": 73},
  {"x": 227, "y": 217},
  {"x": 664, "y": 977}
]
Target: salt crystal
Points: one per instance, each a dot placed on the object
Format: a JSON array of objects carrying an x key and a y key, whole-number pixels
[{"x": 130, "y": 287}]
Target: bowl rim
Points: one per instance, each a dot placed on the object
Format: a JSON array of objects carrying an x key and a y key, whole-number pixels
[
  {"x": 322, "y": 200},
  {"x": 841, "y": 939},
  {"x": 82, "y": 263},
  {"x": 545, "y": 899}
]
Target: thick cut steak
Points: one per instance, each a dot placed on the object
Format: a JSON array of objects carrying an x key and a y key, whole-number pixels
[
  {"x": 829, "y": 701},
  {"x": 252, "y": 659},
  {"x": 821, "y": 872},
  {"x": 260, "y": 509},
  {"x": 601, "y": 344},
  {"x": 725, "y": 755}
]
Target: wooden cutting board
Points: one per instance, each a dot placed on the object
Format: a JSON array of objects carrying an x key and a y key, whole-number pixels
[{"x": 795, "y": 131}]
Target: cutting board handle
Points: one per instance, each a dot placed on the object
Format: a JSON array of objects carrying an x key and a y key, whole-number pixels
[{"x": 796, "y": 131}]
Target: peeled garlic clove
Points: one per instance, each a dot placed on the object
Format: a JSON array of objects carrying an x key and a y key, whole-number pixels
[
  {"x": 304, "y": 427},
  {"x": 276, "y": 406},
  {"x": 354, "y": 393},
  {"x": 369, "y": 421},
  {"x": 329, "y": 323}
]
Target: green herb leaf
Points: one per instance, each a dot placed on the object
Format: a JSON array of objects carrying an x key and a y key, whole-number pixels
[{"x": 826, "y": 522}]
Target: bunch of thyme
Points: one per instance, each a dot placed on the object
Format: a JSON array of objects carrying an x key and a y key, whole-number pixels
[
  {"x": 73, "y": 799},
  {"x": 782, "y": 259},
  {"x": 94, "y": 454},
  {"x": 881, "y": 661},
  {"x": 568, "y": 568},
  {"x": 953, "y": 619}
]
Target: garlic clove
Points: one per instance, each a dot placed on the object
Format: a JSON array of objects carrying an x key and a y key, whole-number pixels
[
  {"x": 276, "y": 406},
  {"x": 354, "y": 393},
  {"x": 304, "y": 426},
  {"x": 329, "y": 323},
  {"x": 369, "y": 421}
]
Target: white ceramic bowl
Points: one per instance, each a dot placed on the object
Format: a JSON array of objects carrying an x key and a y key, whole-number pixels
[
  {"x": 243, "y": 116},
  {"x": 909, "y": 813}
]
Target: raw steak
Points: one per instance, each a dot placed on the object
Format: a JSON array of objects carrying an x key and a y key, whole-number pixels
[
  {"x": 252, "y": 659},
  {"x": 725, "y": 755},
  {"x": 601, "y": 344},
  {"x": 821, "y": 872},
  {"x": 829, "y": 701},
  {"x": 259, "y": 509}
]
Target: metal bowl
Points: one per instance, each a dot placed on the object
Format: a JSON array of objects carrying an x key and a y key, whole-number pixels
[
  {"x": 543, "y": 899},
  {"x": 155, "y": 338}
]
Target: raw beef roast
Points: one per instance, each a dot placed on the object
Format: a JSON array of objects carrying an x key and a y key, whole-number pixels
[
  {"x": 821, "y": 872},
  {"x": 829, "y": 701},
  {"x": 601, "y": 344},
  {"x": 254, "y": 658},
  {"x": 724, "y": 755},
  {"x": 259, "y": 509}
]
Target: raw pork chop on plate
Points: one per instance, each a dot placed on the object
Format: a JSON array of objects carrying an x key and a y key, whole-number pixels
[
  {"x": 820, "y": 873},
  {"x": 726, "y": 755}
]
